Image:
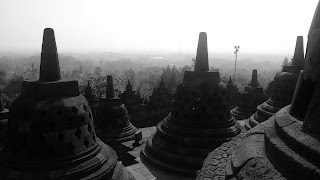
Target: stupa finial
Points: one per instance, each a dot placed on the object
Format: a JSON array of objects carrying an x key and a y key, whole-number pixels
[
  {"x": 254, "y": 79},
  {"x": 49, "y": 65},
  {"x": 202, "y": 53},
  {"x": 298, "y": 57},
  {"x": 110, "y": 90}
]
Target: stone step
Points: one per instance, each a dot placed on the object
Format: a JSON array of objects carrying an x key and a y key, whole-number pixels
[
  {"x": 227, "y": 131},
  {"x": 292, "y": 165},
  {"x": 290, "y": 131},
  {"x": 176, "y": 138},
  {"x": 170, "y": 161}
]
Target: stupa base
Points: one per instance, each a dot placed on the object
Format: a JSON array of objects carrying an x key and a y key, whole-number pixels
[
  {"x": 115, "y": 138},
  {"x": 101, "y": 166},
  {"x": 274, "y": 149},
  {"x": 239, "y": 114},
  {"x": 183, "y": 149}
]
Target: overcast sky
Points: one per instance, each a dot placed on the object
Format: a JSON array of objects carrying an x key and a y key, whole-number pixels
[{"x": 257, "y": 26}]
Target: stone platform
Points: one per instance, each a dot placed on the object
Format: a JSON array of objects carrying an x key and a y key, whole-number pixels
[
  {"x": 142, "y": 169},
  {"x": 278, "y": 142}
]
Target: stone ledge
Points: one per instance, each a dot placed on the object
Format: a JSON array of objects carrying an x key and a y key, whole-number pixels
[
  {"x": 292, "y": 164},
  {"x": 290, "y": 131}
]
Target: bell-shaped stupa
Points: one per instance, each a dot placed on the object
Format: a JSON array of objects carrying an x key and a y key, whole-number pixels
[
  {"x": 112, "y": 120},
  {"x": 4, "y": 115},
  {"x": 50, "y": 133},
  {"x": 131, "y": 99},
  {"x": 252, "y": 96},
  {"x": 91, "y": 98},
  {"x": 287, "y": 145},
  {"x": 199, "y": 122},
  {"x": 282, "y": 94}
]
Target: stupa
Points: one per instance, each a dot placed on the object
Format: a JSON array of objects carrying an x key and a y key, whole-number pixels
[
  {"x": 287, "y": 145},
  {"x": 199, "y": 122},
  {"x": 130, "y": 98},
  {"x": 252, "y": 96},
  {"x": 282, "y": 94},
  {"x": 50, "y": 133},
  {"x": 4, "y": 115},
  {"x": 161, "y": 97},
  {"x": 91, "y": 98},
  {"x": 233, "y": 93},
  {"x": 112, "y": 120}
]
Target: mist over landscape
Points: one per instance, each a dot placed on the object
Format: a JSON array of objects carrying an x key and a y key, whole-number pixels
[{"x": 144, "y": 41}]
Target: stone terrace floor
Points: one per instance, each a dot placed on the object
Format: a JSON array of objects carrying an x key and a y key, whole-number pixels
[{"x": 143, "y": 170}]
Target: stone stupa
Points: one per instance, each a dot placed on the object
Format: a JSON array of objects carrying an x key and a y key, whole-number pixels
[
  {"x": 4, "y": 115},
  {"x": 112, "y": 120},
  {"x": 130, "y": 98},
  {"x": 50, "y": 133},
  {"x": 161, "y": 97},
  {"x": 252, "y": 96},
  {"x": 287, "y": 145},
  {"x": 233, "y": 93},
  {"x": 91, "y": 98},
  {"x": 199, "y": 122},
  {"x": 282, "y": 94}
]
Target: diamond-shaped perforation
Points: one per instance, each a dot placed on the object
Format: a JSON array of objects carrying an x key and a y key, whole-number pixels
[
  {"x": 86, "y": 143},
  {"x": 74, "y": 110},
  {"x": 61, "y": 137},
  {"x": 85, "y": 108},
  {"x": 78, "y": 133},
  {"x": 71, "y": 147}
]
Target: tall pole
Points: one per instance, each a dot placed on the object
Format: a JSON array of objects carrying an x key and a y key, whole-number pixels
[
  {"x": 235, "y": 63},
  {"x": 235, "y": 70}
]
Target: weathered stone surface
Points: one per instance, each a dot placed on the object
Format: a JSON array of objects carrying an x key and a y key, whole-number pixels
[
  {"x": 52, "y": 136},
  {"x": 112, "y": 120},
  {"x": 285, "y": 84},
  {"x": 199, "y": 122},
  {"x": 284, "y": 146},
  {"x": 252, "y": 96},
  {"x": 302, "y": 96}
]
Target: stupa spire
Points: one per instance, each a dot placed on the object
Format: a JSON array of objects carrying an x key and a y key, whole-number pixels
[
  {"x": 162, "y": 85},
  {"x": 49, "y": 66},
  {"x": 110, "y": 90},
  {"x": 298, "y": 57},
  {"x": 202, "y": 53},
  {"x": 230, "y": 81},
  {"x": 129, "y": 86},
  {"x": 254, "y": 79},
  {"x": 315, "y": 24}
]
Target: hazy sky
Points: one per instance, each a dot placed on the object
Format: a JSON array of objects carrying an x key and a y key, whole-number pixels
[{"x": 118, "y": 25}]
